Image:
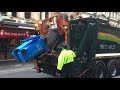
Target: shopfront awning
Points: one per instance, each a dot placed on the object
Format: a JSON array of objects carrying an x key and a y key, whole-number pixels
[
  {"x": 9, "y": 29},
  {"x": 14, "y": 24}
]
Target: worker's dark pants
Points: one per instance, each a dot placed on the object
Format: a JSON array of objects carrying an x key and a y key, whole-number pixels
[{"x": 66, "y": 71}]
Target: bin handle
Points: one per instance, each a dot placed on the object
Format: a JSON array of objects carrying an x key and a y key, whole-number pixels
[{"x": 32, "y": 38}]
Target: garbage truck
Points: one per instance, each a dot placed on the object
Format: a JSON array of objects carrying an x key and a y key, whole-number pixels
[{"x": 94, "y": 40}]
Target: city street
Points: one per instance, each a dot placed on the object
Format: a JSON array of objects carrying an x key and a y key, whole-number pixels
[
  {"x": 15, "y": 69},
  {"x": 84, "y": 44}
]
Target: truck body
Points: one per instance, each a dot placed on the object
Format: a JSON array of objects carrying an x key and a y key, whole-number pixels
[{"x": 95, "y": 42}]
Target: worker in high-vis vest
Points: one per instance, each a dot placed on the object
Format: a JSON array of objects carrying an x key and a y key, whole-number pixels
[{"x": 65, "y": 61}]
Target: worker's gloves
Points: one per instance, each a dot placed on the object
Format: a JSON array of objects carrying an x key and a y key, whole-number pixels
[{"x": 57, "y": 73}]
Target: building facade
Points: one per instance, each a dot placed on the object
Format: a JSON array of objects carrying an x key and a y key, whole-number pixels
[
  {"x": 42, "y": 15},
  {"x": 27, "y": 15},
  {"x": 112, "y": 17}
]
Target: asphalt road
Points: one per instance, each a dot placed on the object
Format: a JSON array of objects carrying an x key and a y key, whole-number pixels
[
  {"x": 23, "y": 73},
  {"x": 20, "y": 70},
  {"x": 117, "y": 76},
  {"x": 16, "y": 69}
]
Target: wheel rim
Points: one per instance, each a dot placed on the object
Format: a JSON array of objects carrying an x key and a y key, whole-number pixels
[
  {"x": 113, "y": 70},
  {"x": 99, "y": 73}
]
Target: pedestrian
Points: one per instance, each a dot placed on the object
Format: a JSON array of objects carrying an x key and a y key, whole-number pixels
[{"x": 65, "y": 61}]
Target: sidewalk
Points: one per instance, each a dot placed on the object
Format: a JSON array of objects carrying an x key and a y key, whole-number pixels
[
  {"x": 13, "y": 62},
  {"x": 9, "y": 65},
  {"x": 7, "y": 60}
]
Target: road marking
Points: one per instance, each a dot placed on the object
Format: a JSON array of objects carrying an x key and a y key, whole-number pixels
[{"x": 15, "y": 70}]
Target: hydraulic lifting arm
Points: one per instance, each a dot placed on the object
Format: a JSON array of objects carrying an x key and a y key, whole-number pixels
[{"x": 58, "y": 20}]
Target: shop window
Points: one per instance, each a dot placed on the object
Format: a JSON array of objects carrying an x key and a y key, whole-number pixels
[
  {"x": 11, "y": 44},
  {"x": 3, "y": 49},
  {"x": 14, "y": 14},
  {"x": 27, "y": 15}
]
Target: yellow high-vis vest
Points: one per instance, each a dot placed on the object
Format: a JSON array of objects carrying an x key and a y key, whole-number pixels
[{"x": 66, "y": 56}]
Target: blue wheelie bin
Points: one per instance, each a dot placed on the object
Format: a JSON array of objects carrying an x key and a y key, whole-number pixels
[
  {"x": 32, "y": 47},
  {"x": 26, "y": 41},
  {"x": 16, "y": 50}
]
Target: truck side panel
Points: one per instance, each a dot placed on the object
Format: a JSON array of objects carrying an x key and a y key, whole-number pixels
[{"x": 108, "y": 40}]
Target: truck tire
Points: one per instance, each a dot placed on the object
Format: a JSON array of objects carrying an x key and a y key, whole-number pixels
[
  {"x": 99, "y": 71},
  {"x": 112, "y": 68}
]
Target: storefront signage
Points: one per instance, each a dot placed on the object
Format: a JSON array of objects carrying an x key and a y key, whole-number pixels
[{"x": 13, "y": 34}]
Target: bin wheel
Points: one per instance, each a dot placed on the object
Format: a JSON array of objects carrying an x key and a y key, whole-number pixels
[{"x": 98, "y": 71}]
